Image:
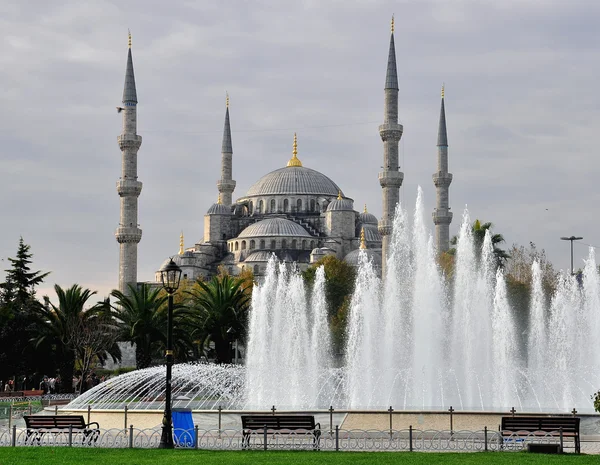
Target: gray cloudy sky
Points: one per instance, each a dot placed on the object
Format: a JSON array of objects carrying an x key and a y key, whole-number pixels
[{"x": 522, "y": 105}]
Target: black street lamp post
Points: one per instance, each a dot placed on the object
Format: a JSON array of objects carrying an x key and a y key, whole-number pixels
[
  {"x": 572, "y": 238},
  {"x": 170, "y": 274}
]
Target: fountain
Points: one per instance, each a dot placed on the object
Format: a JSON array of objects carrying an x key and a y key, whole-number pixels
[{"x": 419, "y": 340}]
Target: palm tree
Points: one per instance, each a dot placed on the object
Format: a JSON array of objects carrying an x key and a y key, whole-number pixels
[
  {"x": 60, "y": 325},
  {"x": 478, "y": 230},
  {"x": 219, "y": 309},
  {"x": 142, "y": 319}
]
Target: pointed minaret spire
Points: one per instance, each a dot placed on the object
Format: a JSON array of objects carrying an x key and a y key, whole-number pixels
[
  {"x": 226, "y": 184},
  {"x": 390, "y": 131},
  {"x": 391, "y": 77},
  {"x": 128, "y": 233},
  {"x": 442, "y": 134},
  {"x": 129, "y": 92},
  {"x": 442, "y": 216}
]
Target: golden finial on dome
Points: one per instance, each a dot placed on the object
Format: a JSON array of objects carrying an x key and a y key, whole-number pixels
[
  {"x": 226, "y": 99},
  {"x": 181, "y": 243},
  {"x": 365, "y": 210},
  {"x": 363, "y": 241},
  {"x": 339, "y": 197},
  {"x": 392, "y": 24},
  {"x": 294, "y": 160},
  {"x": 443, "y": 85},
  {"x": 219, "y": 199},
  {"x": 129, "y": 37}
]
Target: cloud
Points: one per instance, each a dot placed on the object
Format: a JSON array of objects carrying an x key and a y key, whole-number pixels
[{"x": 521, "y": 109}]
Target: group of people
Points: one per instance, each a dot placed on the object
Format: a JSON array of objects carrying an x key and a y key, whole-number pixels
[{"x": 51, "y": 385}]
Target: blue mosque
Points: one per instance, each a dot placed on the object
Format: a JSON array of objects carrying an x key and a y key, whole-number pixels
[{"x": 295, "y": 212}]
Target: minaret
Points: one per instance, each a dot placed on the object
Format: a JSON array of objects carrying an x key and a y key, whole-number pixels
[
  {"x": 226, "y": 185},
  {"x": 128, "y": 233},
  {"x": 442, "y": 216},
  {"x": 181, "y": 244},
  {"x": 391, "y": 132}
]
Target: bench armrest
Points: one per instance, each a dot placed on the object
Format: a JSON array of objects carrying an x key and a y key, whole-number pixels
[
  {"x": 93, "y": 423},
  {"x": 317, "y": 425}
]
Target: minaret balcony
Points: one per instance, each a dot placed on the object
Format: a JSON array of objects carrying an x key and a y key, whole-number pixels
[
  {"x": 441, "y": 179},
  {"x": 226, "y": 185},
  {"x": 391, "y": 131},
  {"x": 128, "y": 235},
  {"x": 129, "y": 141},
  {"x": 129, "y": 188},
  {"x": 384, "y": 227},
  {"x": 442, "y": 216},
  {"x": 391, "y": 178}
]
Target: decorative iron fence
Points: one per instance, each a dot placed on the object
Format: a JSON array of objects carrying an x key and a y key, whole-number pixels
[{"x": 336, "y": 440}]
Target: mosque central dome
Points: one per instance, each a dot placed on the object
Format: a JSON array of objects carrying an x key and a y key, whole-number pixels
[{"x": 294, "y": 180}]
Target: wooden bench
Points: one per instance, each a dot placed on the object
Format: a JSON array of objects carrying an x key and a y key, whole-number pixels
[
  {"x": 284, "y": 423},
  {"x": 38, "y": 425},
  {"x": 542, "y": 426}
]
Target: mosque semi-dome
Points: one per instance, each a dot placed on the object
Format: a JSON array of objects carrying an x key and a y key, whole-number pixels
[
  {"x": 367, "y": 218},
  {"x": 274, "y": 227},
  {"x": 294, "y": 180},
  {"x": 353, "y": 258},
  {"x": 340, "y": 204},
  {"x": 218, "y": 209}
]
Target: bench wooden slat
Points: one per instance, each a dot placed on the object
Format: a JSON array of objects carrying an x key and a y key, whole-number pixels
[{"x": 538, "y": 426}]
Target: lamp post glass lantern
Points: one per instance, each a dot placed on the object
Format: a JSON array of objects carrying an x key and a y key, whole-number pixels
[
  {"x": 572, "y": 238},
  {"x": 170, "y": 275}
]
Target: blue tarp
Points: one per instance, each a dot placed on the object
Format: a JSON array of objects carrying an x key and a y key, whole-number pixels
[{"x": 183, "y": 428}]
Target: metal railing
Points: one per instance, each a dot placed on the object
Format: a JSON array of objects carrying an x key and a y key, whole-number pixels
[{"x": 337, "y": 440}]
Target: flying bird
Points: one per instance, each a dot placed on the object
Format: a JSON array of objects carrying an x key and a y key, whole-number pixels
[{"x": 120, "y": 109}]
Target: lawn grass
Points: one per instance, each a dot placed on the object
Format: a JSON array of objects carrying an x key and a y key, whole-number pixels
[{"x": 76, "y": 456}]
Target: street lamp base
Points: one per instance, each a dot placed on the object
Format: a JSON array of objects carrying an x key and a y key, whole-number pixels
[{"x": 166, "y": 438}]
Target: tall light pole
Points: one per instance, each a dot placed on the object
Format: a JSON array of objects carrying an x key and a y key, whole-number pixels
[
  {"x": 572, "y": 238},
  {"x": 170, "y": 274}
]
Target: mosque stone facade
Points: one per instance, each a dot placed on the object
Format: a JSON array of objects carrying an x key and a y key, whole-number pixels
[{"x": 296, "y": 213}]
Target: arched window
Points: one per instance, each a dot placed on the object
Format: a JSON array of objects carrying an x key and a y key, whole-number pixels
[
  {"x": 260, "y": 206},
  {"x": 255, "y": 269},
  {"x": 273, "y": 245},
  {"x": 312, "y": 205},
  {"x": 303, "y": 244},
  {"x": 236, "y": 246},
  {"x": 252, "y": 244},
  {"x": 262, "y": 243},
  {"x": 286, "y": 205},
  {"x": 224, "y": 236},
  {"x": 294, "y": 244},
  {"x": 312, "y": 245},
  {"x": 272, "y": 205},
  {"x": 283, "y": 244},
  {"x": 299, "y": 205},
  {"x": 251, "y": 207},
  {"x": 318, "y": 208},
  {"x": 243, "y": 245}
]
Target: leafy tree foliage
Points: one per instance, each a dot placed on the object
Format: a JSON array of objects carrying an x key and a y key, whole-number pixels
[
  {"x": 479, "y": 229},
  {"x": 339, "y": 286},
  {"x": 18, "y": 306},
  {"x": 59, "y": 326},
  {"x": 219, "y": 310},
  {"x": 142, "y": 319}
]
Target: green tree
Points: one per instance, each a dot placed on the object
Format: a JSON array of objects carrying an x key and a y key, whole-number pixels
[
  {"x": 220, "y": 311},
  {"x": 339, "y": 286},
  {"x": 59, "y": 326},
  {"x": 17, "y": 323},
  {"x": 339, "y": 281},
  {"x": 478, "y": 230},
  {"x": 142, "y": 320}
]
